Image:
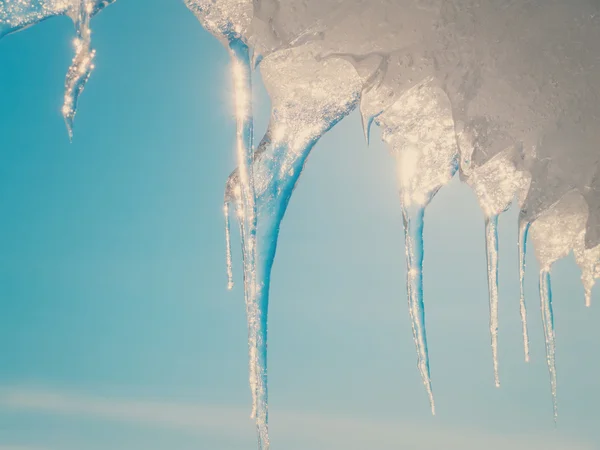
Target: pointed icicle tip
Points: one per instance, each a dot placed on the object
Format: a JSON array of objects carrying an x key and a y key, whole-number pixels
[
  {"x": 70, "y": 132},
  {"x": 367, "y": 121},
  {"x": 82, "y": 64},
  {"x": 256, "y": 59},
  {"x": 68, "y": 115},
  {"x": 588, "y": 285},
  {"x": 588, "y": 298}
]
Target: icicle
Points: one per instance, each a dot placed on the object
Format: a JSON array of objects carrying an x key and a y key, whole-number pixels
[
  {"x": 242, "y": 82},
  {"x": 491, "y": 247},
  {"x": 588, "y": 281},
  {"x": 523, "y": 232},
  {"x": 283, "y": 166},
  {"x": 548, "y": 322},
  {"x": 82, "y": 64},
  {"x": 413, "y": 234},
  {"x": 272, "y": 203},
  {"x": 367, "y": 121},
  {"x": 589, "y": 262},
  {"x": 249, "y": 309},
  {"x": 370, "y": 104},
  {"x": 228, "y": 247}
]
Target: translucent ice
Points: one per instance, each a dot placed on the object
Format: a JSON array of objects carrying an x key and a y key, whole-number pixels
[
  {"x": 293, "y": 130},
  {"x": 425, "y": 162},
  {"x": 18, "y": 14}
]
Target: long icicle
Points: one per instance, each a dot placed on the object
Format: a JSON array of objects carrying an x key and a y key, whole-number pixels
[
  {"x": 228, "y": 246},
  {"x": 491, "y": 247},
  {"x": 242, "y": 82},
  {"x": 548, "y": 322},
  {"x": 273, "y": 205},
  {"x": 413, "y": 233},
  {"x": 239, "y": 208},
  {"x": 523, "y": 232}
]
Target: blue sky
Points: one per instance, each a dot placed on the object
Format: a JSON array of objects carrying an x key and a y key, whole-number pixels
[{"x": 117, "y": 331}]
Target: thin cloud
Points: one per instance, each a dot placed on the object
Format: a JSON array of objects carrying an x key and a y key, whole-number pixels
[
  {"x": 316, "y": 430},
  {"x": 170, "y": 415},
  {"x": 20, "y": 447}
]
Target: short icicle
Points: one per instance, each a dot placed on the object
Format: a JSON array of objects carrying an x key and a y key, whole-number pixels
[
  {"x": 522, "y": 244},
  {"x": 548, "y": 323},
  {"x": 228, "y": 246},
  {"x": 491, "y": 247},
  {"x": 82, "y": 64},
  {"x": 413, "y": 233},
  {"x": 588, "y": 284}
]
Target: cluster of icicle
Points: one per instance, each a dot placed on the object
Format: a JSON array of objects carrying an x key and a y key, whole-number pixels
[{"x": 505, "y": 93}]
